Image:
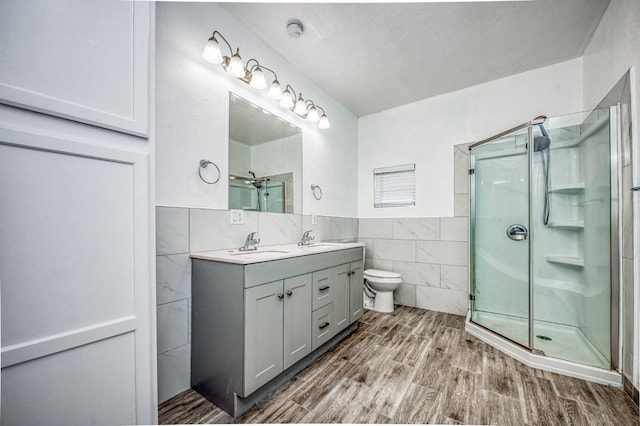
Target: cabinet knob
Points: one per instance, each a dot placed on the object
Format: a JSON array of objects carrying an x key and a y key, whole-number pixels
[
  {"x": 350, "y": 273},
  {"x": 280, "y": 296},
  {"x": 326, "y": 287},
  {"x": 324, "y": 325},
  {"x": 289, "y": 292}
]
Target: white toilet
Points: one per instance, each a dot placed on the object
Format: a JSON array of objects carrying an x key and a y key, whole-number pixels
[{"x": 382, "y": 284}]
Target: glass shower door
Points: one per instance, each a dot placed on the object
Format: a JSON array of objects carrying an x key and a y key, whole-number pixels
[{"x": 499, "y": 220}]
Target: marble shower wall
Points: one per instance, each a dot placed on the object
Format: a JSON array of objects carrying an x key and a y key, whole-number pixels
[
  {"x": 430, "y": 253},
  {"x": 180, "y": 231}
]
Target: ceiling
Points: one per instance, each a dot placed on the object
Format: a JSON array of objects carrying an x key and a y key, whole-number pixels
[{"x": 376, "y": 56}]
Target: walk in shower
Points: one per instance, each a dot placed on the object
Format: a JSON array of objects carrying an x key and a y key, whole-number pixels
[{"x": 543, "y": 243}]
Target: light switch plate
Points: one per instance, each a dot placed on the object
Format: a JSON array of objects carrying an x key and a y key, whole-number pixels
[
  {"x": 237, "y": 217},
  {"x": 314, "y": 219}
]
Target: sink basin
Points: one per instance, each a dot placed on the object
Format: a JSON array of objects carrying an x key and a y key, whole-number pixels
[
  {"x": 312, "y": 245},
  {"x": 246, "y": 253}
]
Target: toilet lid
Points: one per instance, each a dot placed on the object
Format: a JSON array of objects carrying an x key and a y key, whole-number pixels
[{"x": 381, "y": 274}]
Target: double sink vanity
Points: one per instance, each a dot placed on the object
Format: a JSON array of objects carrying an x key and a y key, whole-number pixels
[{"x": 260, "y": 316}]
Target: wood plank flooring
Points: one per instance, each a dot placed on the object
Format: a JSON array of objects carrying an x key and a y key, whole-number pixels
[{"x": 417, "y": 366}]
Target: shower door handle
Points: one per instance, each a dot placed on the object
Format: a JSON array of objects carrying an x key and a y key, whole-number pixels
[{"x": 517, "y": 232}]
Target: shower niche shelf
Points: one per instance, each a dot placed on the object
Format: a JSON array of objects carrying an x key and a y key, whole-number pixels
[
  {"x": 567, "y": 224},
  {"x": 571, "y": 189},
  {"x": 577, "y": 262}
]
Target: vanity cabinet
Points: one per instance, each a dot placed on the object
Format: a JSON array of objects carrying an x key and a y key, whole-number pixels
[
  {"x": 255, "y": 325},
  {"x": 277, "y": 324}
]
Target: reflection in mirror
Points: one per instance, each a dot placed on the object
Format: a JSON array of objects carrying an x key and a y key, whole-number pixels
[{"x": 265, "y": 160}]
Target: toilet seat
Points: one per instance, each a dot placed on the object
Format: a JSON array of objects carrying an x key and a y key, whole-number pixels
[{"x": 385, "y": 277}]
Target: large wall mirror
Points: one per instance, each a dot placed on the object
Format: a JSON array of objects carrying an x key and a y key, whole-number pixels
[{"x": 265, "y": 160}]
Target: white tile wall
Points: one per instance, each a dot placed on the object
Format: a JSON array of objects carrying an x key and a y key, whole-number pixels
[
  {"x": 173, "y": 278},
  {"x": 403, "y": 250},
  {"x": 454, "y": 277},
  {"x": 442, "y": 252},
  {"x": 416, "y": 228},
  {"x": 174, "y": 372},
  {"x": 454, "y": 229},
  {"x": 418, "y": 273},
  {"x": 277, "y": 228},
  {"x": 375, "y": 228},
  {"x": 173, "y": 325},
  {"x": 443, "y": 300},
  {"x": 211, "y": 230},
  {"x": 172, "y": 230}
]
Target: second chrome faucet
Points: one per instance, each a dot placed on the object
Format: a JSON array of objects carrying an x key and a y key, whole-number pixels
[
  {"x": 306, "y": 238},
  {"x": 251, "y": 243}
]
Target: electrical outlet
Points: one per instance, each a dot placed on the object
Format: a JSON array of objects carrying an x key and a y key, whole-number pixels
[
  {"x": 237, "y": 217},
  {"x": 314, "y": 219}
]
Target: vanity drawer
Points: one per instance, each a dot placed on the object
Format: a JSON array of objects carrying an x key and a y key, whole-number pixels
[
  {"x": 323, "y": 288},
  {"x": 322, "y": 326}
]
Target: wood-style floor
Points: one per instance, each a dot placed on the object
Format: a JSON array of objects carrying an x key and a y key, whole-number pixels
[{"x": 417, "y": 366}]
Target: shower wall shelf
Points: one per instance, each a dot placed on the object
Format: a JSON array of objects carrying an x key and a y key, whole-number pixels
[
  {"x": 567, "y": 224},
  {"x": 571, "y": 189},
  {"x": 566, "y": 260}
]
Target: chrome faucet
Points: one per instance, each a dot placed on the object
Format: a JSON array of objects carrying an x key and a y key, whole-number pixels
[
  {"x": 251, "y": 243},
  {"x": 306, "y": 238}
]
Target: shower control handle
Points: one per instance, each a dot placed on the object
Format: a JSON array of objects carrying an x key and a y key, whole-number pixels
[{"x": 517, "y": 232}]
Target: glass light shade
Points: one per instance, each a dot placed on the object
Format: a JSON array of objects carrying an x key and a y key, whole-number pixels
[
  {"x": 287, "y": 100},
  {"x": 312, "y": 115},
  {"x": 324, "y": 122},
  {"x": 300, "y": 108},
  {"x": 257, "y": 79},
  {"x": 235, "y": 67},
  {"x": 274, "y": 91},
  {"x": 211, "y": 52}
]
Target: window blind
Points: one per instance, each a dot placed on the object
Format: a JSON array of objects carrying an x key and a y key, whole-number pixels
[{"x": 394, "y": 186}]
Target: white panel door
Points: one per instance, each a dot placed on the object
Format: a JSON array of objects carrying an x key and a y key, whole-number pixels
[
  {"x": 74, "y": 265},
  {"x": 85, "y": 60}
]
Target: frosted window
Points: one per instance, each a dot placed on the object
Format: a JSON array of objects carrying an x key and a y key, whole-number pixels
[{"x": 394, "y": 186}]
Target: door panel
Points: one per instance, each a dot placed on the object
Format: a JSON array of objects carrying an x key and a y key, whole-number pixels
[
  {"x": 297, "y": 319},
  {"x": 499, "y": 241}
]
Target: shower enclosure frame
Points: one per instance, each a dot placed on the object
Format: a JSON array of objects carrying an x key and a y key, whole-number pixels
[{"x": 528, "y": 354}]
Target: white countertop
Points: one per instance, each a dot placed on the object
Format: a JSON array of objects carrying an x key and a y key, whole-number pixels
[{"x": 268, "y": 253}]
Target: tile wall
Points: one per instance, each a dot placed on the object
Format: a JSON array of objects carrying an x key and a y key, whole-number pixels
[
  {"x": 183, "y": 230},
  {"x": 430, "y": 253}
]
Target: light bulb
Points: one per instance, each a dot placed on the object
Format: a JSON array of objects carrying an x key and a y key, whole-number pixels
[
  {"x": 211, "y": 52},
  {"x": 235, "y": 66},
  {"x": 324, "y": 122},
  {"x": 312, "y": 115},
  {"x": 287, "y": 100},
  {"x": 300, "y": 107},
  {"x": 257, "y": 79},
  {"x": 274, "y": 91}
]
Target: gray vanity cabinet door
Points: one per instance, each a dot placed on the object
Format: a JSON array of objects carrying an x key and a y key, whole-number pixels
[
  {"x": 341, "y": 308},
  {"x": 297, "y": 319},
  {"x": 263, "y": 315},
  {"x": 323, "y": 288},
  {"x": 355, "y": 288}
]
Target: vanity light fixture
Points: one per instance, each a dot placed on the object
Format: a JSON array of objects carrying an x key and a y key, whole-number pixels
[{"x": 253, "y": 74}]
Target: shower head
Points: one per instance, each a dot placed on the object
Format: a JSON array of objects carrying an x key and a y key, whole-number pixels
[{"x": 541, "y": 142}]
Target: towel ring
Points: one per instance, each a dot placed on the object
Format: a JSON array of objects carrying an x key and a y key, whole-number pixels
[
  {"x": 203, "y": 165},
  {"x": 317, "y": 191}
]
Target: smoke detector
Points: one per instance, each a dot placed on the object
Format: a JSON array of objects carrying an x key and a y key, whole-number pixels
[{"x": 294, "y": 28}]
